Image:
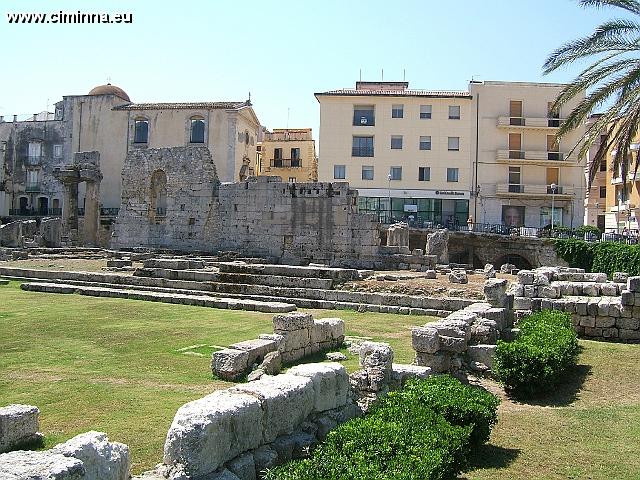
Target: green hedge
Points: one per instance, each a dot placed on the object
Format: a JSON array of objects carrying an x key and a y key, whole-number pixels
[
  {"x": 415, "y": 433},
  {"x": 459, "y": 404},
  {"x": 607, "y": 257},
  {"x": 537, "y": 359}
]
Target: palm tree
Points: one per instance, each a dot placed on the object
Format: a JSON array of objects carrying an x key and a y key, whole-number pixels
[{"x": 614, "y": 79}]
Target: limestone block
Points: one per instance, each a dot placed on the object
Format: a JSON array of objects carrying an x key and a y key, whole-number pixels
[
  {"x": 581, "y": 306},
  {"x": 451, "y": 328},
  {"x": 430, "y": 274},
  {"x": 507, "y": 268},
  {"x": 279, "y": 339},
  {"x": 484, "y": 332},
  {"x": 482, "y": 354},
  {"x": 592, "y": 307},
  {"x": 264, "y": 458},
  {"x": 438, "y": 245},
  {"x": 588, "y": 322},
  {"x": 530, "y": 291},
  {"x": 102, "y": 459},
  {"x": 398, "y": 235},
  {"x": 620, "y": 277},
  {"x": 603, "y": 307},
  {"x": 623, "y": 334},
  {"x": 210, "y": 431},
  {"x": 489, "y": 271},
  {"x": 495, "y": 291},
  {"x": 595, "y": 277},
  {"x": 30, "y": 465},
  {"x": 328, "y": 329},
  {"x": 256, "y": 349},
  {"x": 452, "y": 344},
  {"x": 521, "y": 303},
  {"x": 18, "y": 426},
  {"x": 549, "y": 291},
  {"x": 438, "y": 362},
  {"x": 516, "y": 289},
  {"x": 243, "y": 466},
  {"x": 230, "y": 364},
  {"x": 458, "y": 276},
  {"x": 633, "y": 284},
  {"x": 540, "y": 279},
  {"x": 592, "y": 332},
  {"x": 591, "y": 290},
  {"x": 286, "y": 401},
  {"x": 609, "y": 289},
  {"x": 609, "y": 333},
  {"x": 271, "y": 364},
  {"x": 371, "y": 380},
  {"x": 425, "y": 339},
  {"x": 119, "y": 263},
  {"x": 292, "y": 321},
  {"x": 376, "y": 355},
  {"x": 605, "y": 322},
  {"x": 401, "y": 373},
  {"x": 295, "y": 340},
  {"x": 526, "y": 277},
  {"x": 330, "y": 384},
  {"x": 467, "y": 315},
  {"x": 294, "y": 446},
  {"x": 628, "y": 323}
]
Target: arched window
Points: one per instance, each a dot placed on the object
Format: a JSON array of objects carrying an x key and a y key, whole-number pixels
[
  {"x": 141, "y": 130},
  {"x": 197, "y": 130}
]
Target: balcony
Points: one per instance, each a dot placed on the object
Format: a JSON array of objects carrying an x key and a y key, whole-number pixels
[
  {"x": 533, "y": 191},
  {"x": 542, "y": 157},
  {"x": 630, "y": 178},
  {"x": 32, "y": 187},
  {"x": 530, "y": 122},
  {"x": 34, "y": 160},
  {"x": 17, "y": 212},
  {"x": 285, "y": 163}
]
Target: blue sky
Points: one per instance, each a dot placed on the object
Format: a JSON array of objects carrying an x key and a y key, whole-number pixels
[{"x": 280, "y": 51}]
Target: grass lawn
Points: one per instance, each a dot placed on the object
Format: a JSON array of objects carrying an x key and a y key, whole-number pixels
[{"x": 116, "y": 366}]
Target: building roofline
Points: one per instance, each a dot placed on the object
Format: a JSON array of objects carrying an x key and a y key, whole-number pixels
[
  {"x": 523, "y": 84},
  {"x": 183, "y": 106},
  {"x": 394, "y": 93}
]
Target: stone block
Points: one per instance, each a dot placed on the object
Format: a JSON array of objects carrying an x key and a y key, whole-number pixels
[
  {"x": 286, "y": 401},
  {"x": 264, "y": 458},
  {"x": 540, "y": 279},
  {"x": 516, "y": 289},
  {"x": 102, "y": 459},
  {"x": 605, "y": 322},
  {"x": 292, "y": 321},
  {"x": 609, "y": 333},
  {"x": 30, "y": 465},
  {"x": 530, "y": 291},
  {"x": 279, "y": 339},
  {"x": 591, "y": 290},
  {"x": 18, "y": 426},
  {"x": 230, "y": 364},
  {"x": 623, "y": 334},
  {"x": 376, "y": 355},
  {"x": 521, "y": 303},
  {"x": 438, "y": 362},
  {"x": 526, "y": 277},
  {"x": 592, "y": 307},
  {"x": 243, "y": 466},
  {"x": 452, "y": 344},
  {"x": 438, "y": 245},
  {"x": 595, "y": 277},
  {"x": 271, "y": 364},
  {"x": 430, "y": 274},
  {"x": 425, "y": 339},
  {"x": 627, "y": 297},
  {"x": 603, "y": 307},
  {"x": 495, "y": 291},
  {"x": 210, "y": 431},
  {"x": 581, "y": 307},
  {"x": 489, "y": 271},
  {"x": 256, "y": 349},
  {"x": 401, "y": 373},
  {"x": 628, "y": 323},
  {"x": 458, "y": 276},
  {"x": 592, "y": 332},
  {"x": 482, "y": 354},
  {"x": 295, "y": 340},
  {"x": 119, "y": 263},
  {"x": 549, "y": 291},
  {"x": 507, "y": 268},
  {"x": 328, "y": 330},
  {"x": 484, "y": 332},
  {"x": 588, "y": 322},
  {"x": 609, "y": 289},
  {"x": 330, "y": 384},
  {"x": 620, "y": 277}
]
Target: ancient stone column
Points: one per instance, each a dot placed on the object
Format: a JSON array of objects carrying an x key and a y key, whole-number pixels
[
  {"x": 69, "y": 207},
  {"x": 91, "y": 213}
]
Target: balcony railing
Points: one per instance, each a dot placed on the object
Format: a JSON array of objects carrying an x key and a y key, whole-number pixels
[
  {"x": 533, "y": 155},
  {"x": 362, "y": 151},
  {"x": 286, "y": 162},
  {"x": 533, "y": 190},
  {"x": 34, "y": 160},
  {"x": 32, "y": 187},
  {"x": 530, "y": 122},
  {"x": 104, "y": 212},
  {"x": 30, "y": 212}
]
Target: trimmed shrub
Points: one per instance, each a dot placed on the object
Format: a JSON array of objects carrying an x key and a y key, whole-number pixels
[
  {"x": 607, "y": 257},
  {"x": 459, "y": 404},
  {"x": 424, "y": 431},
  {"x": 590, "y": 230},
  {"x": 541, "y": 354}
]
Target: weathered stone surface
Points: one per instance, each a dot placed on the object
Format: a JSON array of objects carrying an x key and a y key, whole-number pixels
[
  {"x": 230, "y": 364},
  {"x": 255, "y": 375},
  {"x": 401, "y": 373},
  {"x": 526, "y": 277},
  {"x": 29, "y": 465},
  {"x": 330, "y": 384},
  {"x": 286, "y": 401},
  {"x": 272, "y": 363},
  {"x": 102, "y": 459},
  {"x": 292, "y": 321},
  {"x": 398, "y": 235},
  {"x": 374, "y": 354},
  {"x": 452, "y": 344},
  {"x": 482, "y": 354},
  {"x": 210, "y": 431},
  {"x": 257, "y": 349},
  {"x": 336, "y": 356},
  {"x": 628, "y": 323},
  {"x": 425, "y": 339},
  {"x": 620, "y": 277},
  {"x": 438, "y": 245},
  {"x": 243, "y": 467},
  {"x": 595, "y": 277},
  {"x": 507, "y": 267},
  {"x": 264, "y": 457},
  {"x": 116, "y": 263},
  {"x": 18, "y": 426},
  {"x": 438, "y": 362},
  {"x": 484, "y": 332},
  {"x": 430, "y": 274},
  {"x": 489, "y": 271},
  {"x": 495, "y": 292},
  {"x": 458, "y": 276},
  {"x": 633, "y": 284},
  {"x": 549, "y": 291}
]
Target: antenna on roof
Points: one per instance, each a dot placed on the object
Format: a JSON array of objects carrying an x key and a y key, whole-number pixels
[
  {"x": 108, "y": 80},
  {"x": 360, "y": 74},
  {"x": 404, "y": 74},
  {"x": 382, "y": 79},
  {"x": 288, "y": 117}
]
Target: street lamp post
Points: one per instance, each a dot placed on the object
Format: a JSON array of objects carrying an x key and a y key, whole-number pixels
[
  {"x": 389, "y": 194},
  {"x": 553, "y": 196}
]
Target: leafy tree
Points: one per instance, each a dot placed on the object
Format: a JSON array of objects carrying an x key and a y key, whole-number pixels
[{"x": 612, "y": 78}]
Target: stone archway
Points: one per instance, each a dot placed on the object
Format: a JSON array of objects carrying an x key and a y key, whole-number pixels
[{"x": 518, "y": 260}]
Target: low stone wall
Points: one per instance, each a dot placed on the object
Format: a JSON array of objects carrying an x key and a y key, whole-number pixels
[
  {"x": 600, "y": 309},
  {"x": 466, "y": 339},
  {"x": 342, "y": 274},
  {"x": 295, "y": 336}
]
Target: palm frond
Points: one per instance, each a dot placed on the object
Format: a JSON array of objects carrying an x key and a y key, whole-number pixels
[{"x": 632, "y": 6}]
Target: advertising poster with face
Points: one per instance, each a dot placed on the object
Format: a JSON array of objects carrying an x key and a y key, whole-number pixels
[{"x": 513, "y": 216}]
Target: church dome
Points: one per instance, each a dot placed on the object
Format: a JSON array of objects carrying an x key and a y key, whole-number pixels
[{"x": 109, "y": 89}]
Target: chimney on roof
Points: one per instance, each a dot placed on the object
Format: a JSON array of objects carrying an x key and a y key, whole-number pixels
[
  {"x": 15, "y": 118},
  {"x": 1, "y": 118},
  {"x": 35, "y": 117}
]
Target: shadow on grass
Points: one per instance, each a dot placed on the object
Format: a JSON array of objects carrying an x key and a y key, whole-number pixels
[
  {"x": 492, "y": 456},
  {"x": 564, "y": 393}
]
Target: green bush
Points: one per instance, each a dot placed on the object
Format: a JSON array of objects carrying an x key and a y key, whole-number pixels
[
  {"x": 589, "y": 229},
  {"x": 424, "y": 431},
  {"x": 537, "y": 359},
  {"x": 459, "y": 404},
  {"x": 607, "y": 257}
]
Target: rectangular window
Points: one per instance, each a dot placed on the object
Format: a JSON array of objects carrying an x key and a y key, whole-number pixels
[
  {"x": 452, "y": 174},
  {"x": 339, "y": 172},
  {"x": 197, "y": 130},
  {"x": 603, "y": 166},
  {"x": 277, "y": 158},
  {"x": 364, "y": 115},
  {"x": 34, "y": 153},
  {"x": 295, "y": 153},
  {"x": 57, "y": 151},
  {"x": 362, "y": 147},
  {"x": 292, "y": 179},
  {"x": 603, "y": 139},
  {"x": 424, "y": 174},
  {"x": 425, "y": 111},
  {"x": 396, "y": 173},
  {"x": 453, "y": 143},
  {"x": 551, "y": 113},
  {"x": 515, "y": 108},
  {"x": 454, "y": 112},
  {"x": 603, "y": 192},
  {"x": 515, "y": 146},
  {"x": 397, "y": 111},
  {"x": 367, "y": 172},
  {"x": 396, "y": 142},
  {"x": 140, "y": 131},
  {"x": 425, "y": 143},
  {"x": 514, "y": 175},
  {"x": 545, "y": 216}
]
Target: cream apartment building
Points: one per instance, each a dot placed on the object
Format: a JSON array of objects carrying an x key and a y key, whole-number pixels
[
  {"x": 521, "y": 174},
  {"x": 595, "y": 202},
  {"x": 289, "y": 153},
  {"x": 407, "y": 152}
]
